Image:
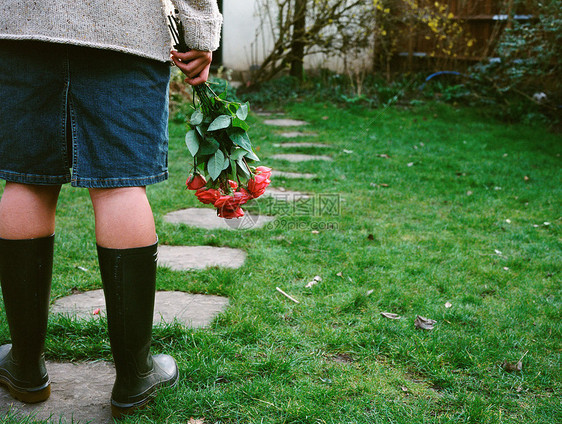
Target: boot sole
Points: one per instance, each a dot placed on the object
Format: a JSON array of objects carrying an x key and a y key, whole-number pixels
[
  {"x": 28, "y": 396},
  {"x": 122, "y": 411}
]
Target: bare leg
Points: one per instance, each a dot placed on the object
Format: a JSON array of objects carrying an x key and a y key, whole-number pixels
[
  {"x": 28, "y": 211},
  {"x": 123, "y": 217}
]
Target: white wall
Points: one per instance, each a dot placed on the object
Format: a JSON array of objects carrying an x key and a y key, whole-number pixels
[{"x": 241, "y": 23}]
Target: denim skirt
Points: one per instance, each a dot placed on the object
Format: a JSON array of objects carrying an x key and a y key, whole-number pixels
[{"x": 91, "y": 117}]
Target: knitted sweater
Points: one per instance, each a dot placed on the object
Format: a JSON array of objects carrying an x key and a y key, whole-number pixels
[{"x": 138, "y": 27}]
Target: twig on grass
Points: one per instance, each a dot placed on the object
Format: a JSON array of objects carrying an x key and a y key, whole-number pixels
[{"x": 286, "y": 295}]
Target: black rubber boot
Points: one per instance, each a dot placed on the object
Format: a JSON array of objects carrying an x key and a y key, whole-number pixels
[
  {"x": 25, "y": 273},
  {"x": 129, "y": 284}
]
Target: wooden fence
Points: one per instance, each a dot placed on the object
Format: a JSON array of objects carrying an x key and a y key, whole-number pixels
[{"x": 482, "y": 22}]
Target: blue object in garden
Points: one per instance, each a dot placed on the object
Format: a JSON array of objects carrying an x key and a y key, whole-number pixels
[{"x": 436, "y": 74}]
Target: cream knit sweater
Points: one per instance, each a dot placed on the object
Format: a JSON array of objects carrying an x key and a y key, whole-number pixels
[{"x": 133, "y": 26}]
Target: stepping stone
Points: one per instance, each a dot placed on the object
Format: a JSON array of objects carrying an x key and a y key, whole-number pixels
[
  {"x": 279, "y": 193},
  {"x": 303, "y": 144},
  {"x": 80, "y": 393},
  {"x": 293, "y": 175},
  {"x": 295, "y": 134},
  {"x": 295, "y": 157},
  {"x": 207, "y": 218},
  {"x": 191, "y": 310},
  {"x": 285, "y": 122},
  {"x": 183, "y": 258}
]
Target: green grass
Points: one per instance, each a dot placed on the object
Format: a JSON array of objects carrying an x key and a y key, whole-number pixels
[{"x": 417, "y": 236}]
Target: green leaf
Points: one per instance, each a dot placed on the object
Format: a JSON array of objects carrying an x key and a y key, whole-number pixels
[
  {"x": 208, "y": 146},
  {"x": 237, "y": 154},
  {"x": 240, "y": 138},
  {"x": 192, "y": 142},
  {"x": 196, "y": 118},
  {"x": 240, "y": 124},
  {"x": 252, "y": 156},
  {"x": 220, "y": 122},
  {"x": 242, "y": 112},
  {"x": 243, "y": 168},
  {"x": 215, "y": 164},
  {"x": 225, "y": 164}
]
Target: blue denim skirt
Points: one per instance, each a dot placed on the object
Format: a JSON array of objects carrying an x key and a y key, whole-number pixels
[{"x": 94, "y": 118}]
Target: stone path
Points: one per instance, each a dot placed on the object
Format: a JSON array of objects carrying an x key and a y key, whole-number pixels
[
  {"x": 293, "y": 174},
  {"x": 282, "y": 122},
  {"x": 191, "y": 310},
  {"x": 301, "y": 144},
  {"x": 183, "y": 258},
  {"x": 80, "y": 393},
  {"x": 295, "y": 134},
  {"x": 296, "y": 157},
  {"x": 207, "y": 218}
]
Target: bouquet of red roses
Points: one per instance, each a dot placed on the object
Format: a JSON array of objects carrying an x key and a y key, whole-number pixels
[{"x": 223, "y": 173}]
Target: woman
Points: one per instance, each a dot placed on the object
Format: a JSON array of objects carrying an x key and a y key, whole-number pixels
[{"x": 83, "y": 99}]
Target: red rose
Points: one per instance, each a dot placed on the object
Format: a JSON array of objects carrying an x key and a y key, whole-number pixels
[
  {"x": 195, "y": 182},
  {"x": 263, "y": 170},
  {"x": 233, "y": 201},
  {"x": 230, "y": 213},
  {"x": 257, "y": 185},
  {"x": 207, "y": 196}
]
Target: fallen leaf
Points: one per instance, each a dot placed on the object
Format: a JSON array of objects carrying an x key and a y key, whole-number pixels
[
  {"x": 325, "y": 118},
  {"x": 75, "y": 290},
  {"x": 505, "y": 268},
  {"x": 370, "y": 237},
  {"x": 415, "y": 147},
  {"x": 526, "y": 178},
  {"x": 404, "y": 389},
  {"x": 81, "y": 268},
  {"x": 369, "y": 292},
  {"x": 410, "y": 164},
  {"x": 314, "y": 281},
  {"x": 384, "y": 185},
  {"x": 448, "y": 305},
  {"x": 512, "y": 366},
  {"x": 469, "y": 193},
  {"x": 384, "y": 155},
  {"x": 505, "y": 155},
  {"x": 546, "y": 223},
  {"x": 508, "y": 221},
  {"x": 195, "y": 421},
  {"x": 424, "y": 323},
  {"x": 347, "y": 151},
  {"x": 498, "y": 252},
  {"x": 390, "y": 315},
  {"x": 497, "y": 188},
  {"x": 325, "y": 380},
  {"x": 315, "y": 232},
  {"x": 340, "y": 274}
]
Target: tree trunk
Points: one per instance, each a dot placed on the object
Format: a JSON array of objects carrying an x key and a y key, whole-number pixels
[{"x": 298, "y": 44}]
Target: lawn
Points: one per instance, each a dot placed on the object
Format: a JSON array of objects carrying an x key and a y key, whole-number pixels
[{"x": 433, "y": 210}]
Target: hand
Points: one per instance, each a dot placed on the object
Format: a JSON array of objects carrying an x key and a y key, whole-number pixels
[{"x": 195, "y": 64}]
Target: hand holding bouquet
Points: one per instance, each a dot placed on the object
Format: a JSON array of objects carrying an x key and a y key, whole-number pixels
[{"x": 223, "y": 173}]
